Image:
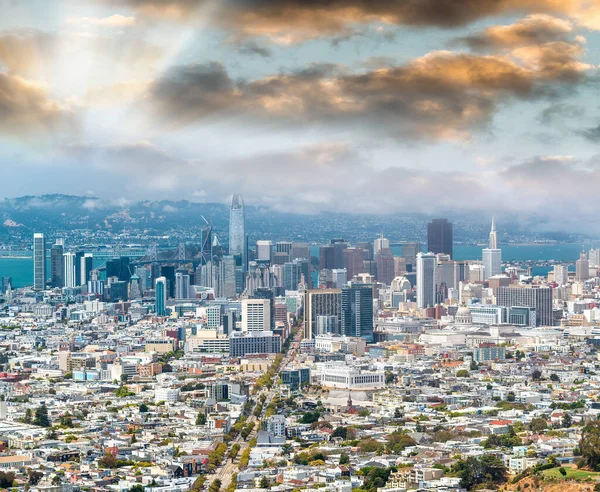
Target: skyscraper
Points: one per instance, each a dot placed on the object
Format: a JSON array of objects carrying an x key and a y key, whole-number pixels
[
  {"x": 353, "y": 261},
  {"x": 539, "y": 298},
  {"x": 264, "y": 250},
  {"x": 439, "y": 236},
  {"x": 237, "y": 225},
  {"x": 380, "y": 243},
  {"x": 86, "y": 263},
  {"x": 320, "y": 302},
  {"x": 426, "y": 275},
  {"x": 161, "y": 296},
  {"x": 69, "y": 269},
  {"x": 582, "y": 268},
  {"x": 409, "y": 252},
  {"x": 256, "y": 315},
  {"x": 357, "y": 311},
  {"x": 182, "y": 284},
  {"x": 39, "y": 261},
  {"x": 561, "y": 274},
  {"x": 385, "y": 265},
  {"x": 492, "y": 256},
  {"x": 57, "y": 269},
  {"x": 228, "y": 285}
]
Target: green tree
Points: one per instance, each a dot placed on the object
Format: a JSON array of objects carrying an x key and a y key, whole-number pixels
[
  {"x": 589, "y": 445},
  {"x": 474, "y": 366},
  {"x": 562, "y": 471},
  {"x": 41, "y": 416},
  {"x": 286, "y": 449},
  {"x": 7, "y": 479},
  {"x": 398, "y": 414},
  {"x": 538, "y": 424},
  {"x": 143, "y": 408},
  {"x": 488, "y": 469},
  {"x": 463, "y": 373},
  {"x": 107, "y": 461},
  {"x": 28, "y": 416},
  {"x": 364, "y": 413},
  {"x": 33, "y": 476},
  {"x": 567, "y": 421},
  {"x": 554, "y": 377},
  {"x": 201, "y": 418},
  {"x": 397, "y": 441},
  {"x": 344, "y": 459},
  {"x": 215, "y": 486},
  {"x": 136, "y": 488},
  {"x": 536, "y": 375},
  {"x": 265, "y": 483}
]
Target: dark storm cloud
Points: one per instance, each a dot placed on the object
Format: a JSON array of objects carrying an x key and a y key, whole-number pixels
[
  {"x": 441, "y": 95},
  {"x": 559, "y": 112},
  {"x": 591, "y": 134},
  {"x": 253, "y": 48},
  {"x": 289, "y": 21}
]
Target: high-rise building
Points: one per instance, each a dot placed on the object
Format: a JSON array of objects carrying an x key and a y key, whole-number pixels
[
  {"x": 57, "y": 268},
  {"x": 293, "y": 272},
  {"x": 320, "y": 302},
  {"x": 237, "y": 225},
  {"x": 326, "y": 257},
  {"x": 182, "y": 284},
  {"x": 594, "y": 257},
  {"x": 168, "y": 272},
  {"x": 339, "y": 245},
  {"x": 264, "y": 250},
  {"x": 380, "y": 243},
  {"x": 353, "y": 261},
  {"x": 339, "y": 277},
  {"x": 300, "y": 250},
  {"x": 426, "y": 275},
  {"x": 582, "y": 268},
  {"x": 357, "y": 311},
  {"x": 439, "y": 236},
  {"x": 539, "y": 298},
  {"x": 409, "y": 252},
  {"x": 228, "y": 283},
  {"x": 161, "y": 296},
  {"x": 256, "y": 315},
  {"x": 134, "y": 287},
  {"x": 266, "y": 293},
  {"x": 561, "y": 274},
  {"x": 86, "y": 263},
  {"x": 5, "y": 284},
  {"x": 385, "y": 265},
  {"x": 492, "y": 256},
  {"x": 39, "y": 261},
  {"x": 69, "y": 271}
]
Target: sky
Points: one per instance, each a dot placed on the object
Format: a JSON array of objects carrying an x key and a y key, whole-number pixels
[{"x": 375, "y": 106}]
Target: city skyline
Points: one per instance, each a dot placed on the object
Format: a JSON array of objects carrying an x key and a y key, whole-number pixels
[{"x": 143, "y": 99}]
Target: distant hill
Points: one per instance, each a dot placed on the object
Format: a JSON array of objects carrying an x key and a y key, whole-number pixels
[{"x": 61, "y": 214}]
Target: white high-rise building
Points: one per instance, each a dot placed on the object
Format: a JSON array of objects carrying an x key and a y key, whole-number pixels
[
  {"x": 380, "y": 243},
  {"x": 492, "y": 256},
  {"x": 69, "y": 265},
  {"x": 561, "y": 274},
  {"x": 264, "y": 250},
  {"x": 339, "y": 277},
  {"x": 426, "y": 266},
  {"x": 237, "y": 225},
  {"x": 594, "y": 257},
  {"x": 256, "y": 315},
  {"x": 182, "y": 285},
  {"x": 39, "y": 261}
]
